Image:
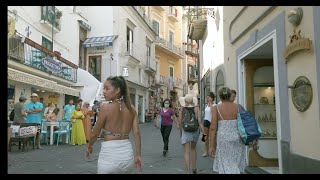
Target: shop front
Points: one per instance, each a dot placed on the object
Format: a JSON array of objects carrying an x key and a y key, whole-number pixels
[
  {"x": 21, "y": 83},
  {"x": 138, "y": 98}
]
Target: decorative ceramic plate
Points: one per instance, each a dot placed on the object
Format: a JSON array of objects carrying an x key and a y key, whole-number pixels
[{"x": 264, "y": 100}]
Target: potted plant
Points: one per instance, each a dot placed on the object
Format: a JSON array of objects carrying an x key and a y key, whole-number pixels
[{"x": 59, "y": 14}]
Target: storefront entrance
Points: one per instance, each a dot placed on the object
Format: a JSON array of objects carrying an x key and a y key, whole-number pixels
[{"x": 258, "y": 93}]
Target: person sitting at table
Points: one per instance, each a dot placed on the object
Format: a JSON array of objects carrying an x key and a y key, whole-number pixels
[
  {"x": 53, "y": 117},
  {"x": 51, "y": 107}
]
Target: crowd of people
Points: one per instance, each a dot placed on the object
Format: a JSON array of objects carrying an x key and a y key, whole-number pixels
[
  {"x": 114, "y": 121},
  {"x": 82, "y": 118}
]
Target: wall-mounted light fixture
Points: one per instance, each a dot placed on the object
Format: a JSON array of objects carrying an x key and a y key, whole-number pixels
[
  {"x": 111, "y": 56},
  {"x": 295, "y": 16}
]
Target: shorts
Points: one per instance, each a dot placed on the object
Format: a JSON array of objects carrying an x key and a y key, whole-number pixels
[{"x": 206, "y": 123}]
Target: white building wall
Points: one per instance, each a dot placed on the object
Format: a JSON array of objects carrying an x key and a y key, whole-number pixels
[{"x": 64, "y": 41}]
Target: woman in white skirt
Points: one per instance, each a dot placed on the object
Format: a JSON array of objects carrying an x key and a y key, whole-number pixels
[{"x": 116, "y": 119}]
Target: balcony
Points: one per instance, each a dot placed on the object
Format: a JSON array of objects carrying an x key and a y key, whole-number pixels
[
  {"x": 170, "y": 48},
  {"x": 192, "y": 74},
  {"x": 164, "y": 80},
  {"x": 197, "y": 29},
  {"x": 51, "y": 15},
  {"x": 151, "y": 66},
  {"x": 34, "y": 55},
  {"x": 160, "y": 8},
  {"x": 191, "y": 51},
  {"x": 173, "y": 14}
]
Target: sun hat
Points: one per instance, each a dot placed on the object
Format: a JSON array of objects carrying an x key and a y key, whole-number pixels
[
  {"x": 188, "y": 101},
  {"x": 34, "y": 95}
]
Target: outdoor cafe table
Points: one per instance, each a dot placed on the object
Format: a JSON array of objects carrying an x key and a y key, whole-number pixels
[{"x": 52, "y": 124}]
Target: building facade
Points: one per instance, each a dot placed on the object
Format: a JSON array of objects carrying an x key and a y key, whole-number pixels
[
  {"x": 40, "y": 59},
  {"x": 169, "y": 51},
  {"x": 123, "y": 45},
  {"x": 272, "y": 59}
]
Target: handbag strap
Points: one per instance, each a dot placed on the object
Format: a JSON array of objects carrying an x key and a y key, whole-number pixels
[{"x": 219, "y": 112}]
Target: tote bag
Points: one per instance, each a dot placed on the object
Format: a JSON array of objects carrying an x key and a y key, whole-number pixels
[
  {"x": 158, "y": 122},
  {"x": 248, "y": 127}
]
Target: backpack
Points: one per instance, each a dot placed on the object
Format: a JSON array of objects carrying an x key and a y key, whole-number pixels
[
  {"x": 189, "y": 121},
  {"x": 11, "y": 116}
]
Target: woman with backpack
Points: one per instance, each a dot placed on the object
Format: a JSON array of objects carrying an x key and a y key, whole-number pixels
[
  {"x": 166, "y": 113},
  {"x": 190, "y": 120},
  {"x": 230, "y": 154}
]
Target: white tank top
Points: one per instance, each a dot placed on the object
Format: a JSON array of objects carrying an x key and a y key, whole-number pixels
[{"x": 207, "y": 113}]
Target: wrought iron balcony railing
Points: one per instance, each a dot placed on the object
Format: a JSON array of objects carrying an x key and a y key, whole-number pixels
[
  {"x": 34, "y": 55},
  {"x": 52, "y": 15}
]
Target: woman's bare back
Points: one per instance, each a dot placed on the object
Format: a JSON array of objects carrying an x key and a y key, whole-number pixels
[
  {"x": 119, "y": 122},
  {"x": 228, "y": 111}
]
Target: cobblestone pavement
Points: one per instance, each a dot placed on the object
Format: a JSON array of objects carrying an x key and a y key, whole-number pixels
[{"x": 67, "y": 159}]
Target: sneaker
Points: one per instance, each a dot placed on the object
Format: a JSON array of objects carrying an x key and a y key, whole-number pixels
[
  {"x": 194, "y": 171},
  {"x": 165, "y": 152},
  {"x": 39, "y": 147}
]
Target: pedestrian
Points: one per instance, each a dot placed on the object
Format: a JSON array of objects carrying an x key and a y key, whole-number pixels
[
  {"x": 80, "y": 101},
  {"x": 190, "y": 120},
  {"x": 68, "y": 109},
  {"x": 34, "y": 110},
  {"x": 233, "y": 98},
  {"x": 167, "y": 115},
  {"x": 87, "y": 112},
  {"x": 95, "y": 110},
  {"x": 44, "y": 106},
  {"x": 207, "y": 121},
  {"x": 20, "y": 111},
  {"x": 78, "y": 136},
  {"x": 116, "y": 119},
  {"x": 230, "y": 155}
]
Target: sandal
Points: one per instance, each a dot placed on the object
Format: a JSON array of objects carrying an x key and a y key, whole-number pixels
[{"x": 205, "y": 155}]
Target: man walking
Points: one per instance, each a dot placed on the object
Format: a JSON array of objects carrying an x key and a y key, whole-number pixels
[{"x": 34, "y": 110}]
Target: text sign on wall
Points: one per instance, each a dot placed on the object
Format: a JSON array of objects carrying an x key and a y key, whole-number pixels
[{"x": 125, "y": 71}]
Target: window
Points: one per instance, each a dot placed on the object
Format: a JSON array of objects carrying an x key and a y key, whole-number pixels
[
  {"x": 81, "y": 55},
  {"x": 155, "y": 26},
  {"x": 47, "y": 43},
  {"x": 148, "y": 54},
  {"x": 170, "y": 9},
  {"x": 129, "y": 41},
  {"x": 171, "y": 71},
  {"x": 95, "y": 66},
  {"x": 171, "y": 39},
  {"x": 140, "y": 75}
]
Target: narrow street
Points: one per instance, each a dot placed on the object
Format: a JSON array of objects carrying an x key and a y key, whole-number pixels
[{"x": 67, "y": 159}]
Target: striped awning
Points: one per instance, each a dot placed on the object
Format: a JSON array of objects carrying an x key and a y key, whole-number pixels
[{"x": 99, "y": 41}]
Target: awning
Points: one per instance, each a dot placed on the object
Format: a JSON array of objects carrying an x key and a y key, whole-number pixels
[
  {"x": 99, "y": 41},
  {"x": 27, "y": 78}
]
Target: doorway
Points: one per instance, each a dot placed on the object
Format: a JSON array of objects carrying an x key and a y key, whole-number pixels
[
  {"x": 95, "y": 67},
  {"x": 258, "y": 93}
]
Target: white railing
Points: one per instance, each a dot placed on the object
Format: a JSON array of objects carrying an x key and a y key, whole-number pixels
[{"x": 170, "y": 46}]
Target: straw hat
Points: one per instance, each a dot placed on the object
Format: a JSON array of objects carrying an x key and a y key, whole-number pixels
[{"x": 188, "y": 101}]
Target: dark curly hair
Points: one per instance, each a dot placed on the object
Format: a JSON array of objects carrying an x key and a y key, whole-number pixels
[
  {"x": 165, "y": 101},
  {"x": 212, "y": 95}
]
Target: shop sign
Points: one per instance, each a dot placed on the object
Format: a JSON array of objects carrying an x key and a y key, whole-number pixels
[
  {"x": 301, "y": 93},
  {"x": 97, "y": 50},
  {"x": 297, "y": 44},
  {"x": 51, "y": 65},
  {"x": 125, "y": 71}
]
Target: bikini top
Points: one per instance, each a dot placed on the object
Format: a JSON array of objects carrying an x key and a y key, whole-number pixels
[{"x": 115, "y": 134}]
